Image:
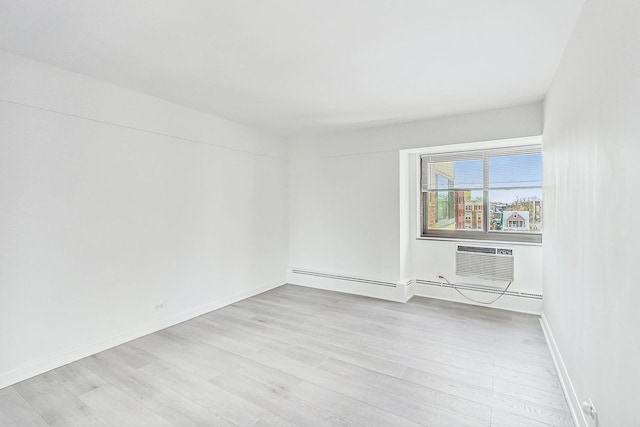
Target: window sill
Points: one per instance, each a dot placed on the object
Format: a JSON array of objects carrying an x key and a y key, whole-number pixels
[{"x": 484, "y": 242}]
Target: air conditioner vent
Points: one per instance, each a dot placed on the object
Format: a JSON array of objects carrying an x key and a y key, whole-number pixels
[{"x": 484, "y": 263}]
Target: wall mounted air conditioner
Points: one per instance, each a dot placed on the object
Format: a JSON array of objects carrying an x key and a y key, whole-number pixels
[{"x": 484, "y": 263}]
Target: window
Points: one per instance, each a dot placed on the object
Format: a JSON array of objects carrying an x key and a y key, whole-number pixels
[{"x": 502, "y": 187}]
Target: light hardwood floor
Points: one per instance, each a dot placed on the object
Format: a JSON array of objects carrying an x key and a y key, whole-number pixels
[{"x": 306, "y": 357}]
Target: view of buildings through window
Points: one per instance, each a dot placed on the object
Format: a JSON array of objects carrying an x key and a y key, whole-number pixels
[
  {"x": 460, "y": 210},
  {"x": 489, "y": 192}
]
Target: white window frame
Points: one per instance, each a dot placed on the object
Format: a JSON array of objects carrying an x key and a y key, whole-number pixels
[{"x": 466, "y": 234}]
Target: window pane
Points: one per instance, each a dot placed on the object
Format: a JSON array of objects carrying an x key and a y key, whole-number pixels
[
  {"x": 455, "y": 210},
  {"x": 518, "y": 170},
  {"x": 516, "y": 210},
  {"x": 454, "y": 184},
  {"x": 454, "y": 174}
]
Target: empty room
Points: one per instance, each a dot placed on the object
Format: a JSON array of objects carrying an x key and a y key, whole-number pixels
[{"x": 319, "y": 213}]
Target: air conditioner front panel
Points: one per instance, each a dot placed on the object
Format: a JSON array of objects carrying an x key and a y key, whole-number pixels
[{"x": 485, "y": 264}]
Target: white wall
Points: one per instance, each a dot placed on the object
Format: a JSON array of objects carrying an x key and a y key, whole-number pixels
[
  {"x": 591, "y": 173},
  {"x": 345, "y": 199},
  {"x": 112, "y": 201}
]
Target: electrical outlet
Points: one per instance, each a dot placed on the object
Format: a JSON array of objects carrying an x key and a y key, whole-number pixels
[
  {"x": 159, "y": 306},
  {"x": 589, "y": 409}
]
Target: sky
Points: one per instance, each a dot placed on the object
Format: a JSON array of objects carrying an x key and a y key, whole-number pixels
[{"x": 514, "y": 170}]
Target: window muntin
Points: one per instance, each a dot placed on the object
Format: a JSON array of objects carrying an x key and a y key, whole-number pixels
[{"x": 487, "y": 195}]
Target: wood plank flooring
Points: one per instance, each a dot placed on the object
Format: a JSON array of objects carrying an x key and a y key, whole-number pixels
[{"x": 306, "y": 357}]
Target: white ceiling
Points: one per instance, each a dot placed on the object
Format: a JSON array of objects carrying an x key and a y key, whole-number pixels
[{"x": 301, "y": 66}]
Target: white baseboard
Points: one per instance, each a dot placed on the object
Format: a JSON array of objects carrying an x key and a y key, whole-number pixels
[
  {"x": 375, "y": 288},
  {"x": 507, "y": 302},
  {"x": 402, "y": 291},
  {"x": 32, "y": 369},
  {"x": 567, "y": 387}
]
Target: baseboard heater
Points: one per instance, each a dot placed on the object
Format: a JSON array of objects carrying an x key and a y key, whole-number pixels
[
  {"x": 345, "y": 278},
  {"x": 478, "y": 288}
]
